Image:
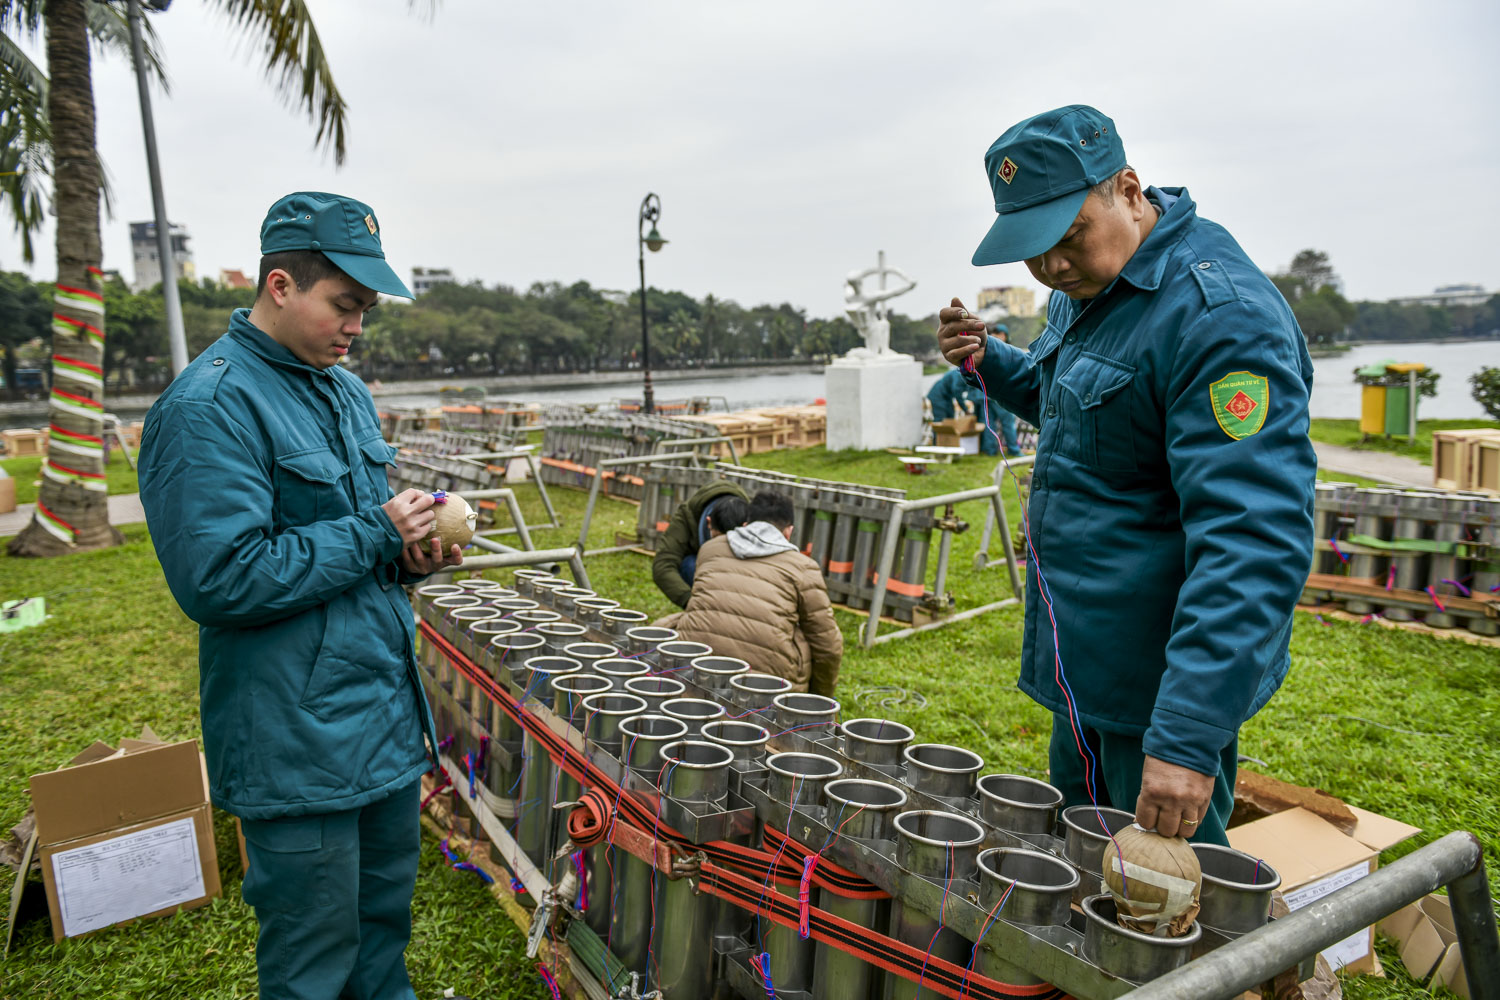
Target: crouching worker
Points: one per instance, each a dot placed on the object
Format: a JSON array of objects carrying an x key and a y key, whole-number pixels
[
  {"x": 676, "y": 558},
  {"x": 757, "y": 598}
]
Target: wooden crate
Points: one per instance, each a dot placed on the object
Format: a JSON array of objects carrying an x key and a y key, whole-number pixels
[
  {"x": 1484, "y": 465},
  {"x": 24, "y": 442},
  {"x": 1452, "y": 453}
]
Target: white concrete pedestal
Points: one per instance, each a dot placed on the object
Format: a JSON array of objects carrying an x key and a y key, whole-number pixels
[{"x": 874, "y": 401}]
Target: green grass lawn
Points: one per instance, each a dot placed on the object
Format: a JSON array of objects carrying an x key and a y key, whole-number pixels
[
  {"x": 117, "y": 653},
  {"x": 1346, "y": 433},
  {"x": 27, "y": 472}
]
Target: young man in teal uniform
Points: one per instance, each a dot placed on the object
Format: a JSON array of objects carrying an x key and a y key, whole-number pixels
[
  {"x": 1172, "y": 498},
  {"x": 263, "y": 477}
]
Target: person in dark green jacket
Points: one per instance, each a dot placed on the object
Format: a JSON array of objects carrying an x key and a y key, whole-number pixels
[
  {"x": 1170, "y": 522},
  {"x": 677, "y": 549},
  {"x": 263, "y": 479}
]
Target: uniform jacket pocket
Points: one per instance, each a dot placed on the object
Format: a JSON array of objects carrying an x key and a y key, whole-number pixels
[
  {"x": 1100, "y": 389},
  {"x": 307, "y": 488}
]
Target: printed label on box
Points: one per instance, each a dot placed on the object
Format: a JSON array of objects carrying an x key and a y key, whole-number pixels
[
  {"x": 1354, "y": 947},
  {"x": 128, "y": 876}
]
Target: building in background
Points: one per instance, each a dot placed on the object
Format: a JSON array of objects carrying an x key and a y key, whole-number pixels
[
  {"x": 1015, "y": 300},
  {"x": 234, "y": 278},
  {"x": 1448, "y": 295},
  {"x": 147, "y": 267},
  {"x": 425, "y": 279}
]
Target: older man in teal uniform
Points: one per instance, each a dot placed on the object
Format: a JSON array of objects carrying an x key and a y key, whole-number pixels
[
  {"x": 263, "y": 478},
  {"x": 1171, "y": 503}
]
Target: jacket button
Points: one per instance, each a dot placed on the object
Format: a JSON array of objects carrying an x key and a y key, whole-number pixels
[
  {"x": 218, "y": 361},
  {"x": 1051, "y": 411},
  {"x": 1088, "y": 397},
  {"x": 1070, "y": 338},
  {"x": 1204, "y": 265}
]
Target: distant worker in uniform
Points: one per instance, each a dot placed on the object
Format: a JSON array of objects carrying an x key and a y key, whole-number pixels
[
  {"x": 263, "y": 476},
  {"x": 1172, "y": 498},
  {"x": 759, "y": 599},
  {"x": 676, "y": 557},
  {"x": 952, "y": 396}
]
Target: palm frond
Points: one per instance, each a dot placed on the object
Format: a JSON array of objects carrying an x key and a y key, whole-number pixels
[
  {"x": 110, "y": 27},
  {"x": 25, "y": 141},
  {"x": 20, "y": 73},
  {"x": 295, "y": 62},
  {"x": 21, "y": 17}
]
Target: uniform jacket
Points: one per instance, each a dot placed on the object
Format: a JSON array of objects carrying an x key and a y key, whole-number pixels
[
  {"x": 1173, "y": 535},
  {"x": 262, "y": 480},
  {"x": 681, "y": 539},
  {"x": 765, "y": 603}
]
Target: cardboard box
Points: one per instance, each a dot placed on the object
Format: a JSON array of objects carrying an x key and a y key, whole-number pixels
[
  {"x": 1453, "y": 455},
  {"x": 1315, "y": 859},
  {"x": 125, "y": 834},
  {"x": 958, "y": 432},
  {"x": 1428, "y": 943},
  {"x": 7, "y": 495}
]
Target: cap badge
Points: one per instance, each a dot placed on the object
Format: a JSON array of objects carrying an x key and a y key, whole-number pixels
[
  {"x": 1007, "y": 171},
  {"x": 370, "y": 224}
]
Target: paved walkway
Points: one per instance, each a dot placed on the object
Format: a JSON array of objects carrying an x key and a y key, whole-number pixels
[
  {"x": 1383, "y": 466},
  {"x": 124, "y": 508}
]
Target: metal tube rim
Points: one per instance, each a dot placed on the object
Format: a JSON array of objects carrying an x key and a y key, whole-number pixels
[
  {"x": 1048, "y": 859},
  {"x": 777, "y": 763},
  {"x": 834, "y": 790},
  {"x": 677, "y": 761},
  {"x": 1220, "y": 850},
  {"x": 682, "y": 703},
  {"x": 904, "y": 819},
  {"x": 844, "y": 728},
  {"x": 992, "y": 796},
  {"x": 1195, "y": 930},
  {"x": 719, "y": 724},
  {"x": 909, "y": 755},
  {"x": 593, "y": 705},
  {"x": 627, "y": 730},
  {"x": 1071, "y": 811}
]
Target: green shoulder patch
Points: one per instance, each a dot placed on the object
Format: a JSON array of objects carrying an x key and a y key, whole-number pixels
[{"x": 1240, "y": 401}]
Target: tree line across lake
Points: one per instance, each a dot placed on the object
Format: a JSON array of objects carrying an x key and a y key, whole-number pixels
[{"x": 476, "y": 330}]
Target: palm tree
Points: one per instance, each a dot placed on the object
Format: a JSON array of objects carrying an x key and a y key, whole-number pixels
[{"x": 72, "y": 512}]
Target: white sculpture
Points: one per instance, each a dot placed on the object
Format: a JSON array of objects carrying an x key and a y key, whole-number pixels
[{"x": 868, "y": 311}]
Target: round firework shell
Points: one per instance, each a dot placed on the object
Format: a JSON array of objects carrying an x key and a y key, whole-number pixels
[
  {"x": 1155, "y": 881},
  {"x": 455, "y": 521}
]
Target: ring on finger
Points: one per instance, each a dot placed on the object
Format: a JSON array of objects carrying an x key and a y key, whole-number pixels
[{"x": 1190, "y": 822}]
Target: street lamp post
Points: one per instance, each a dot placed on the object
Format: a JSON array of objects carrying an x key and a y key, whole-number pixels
[
  {"x": 175, "y": 335},
  {"x": 650, "y": 212}
]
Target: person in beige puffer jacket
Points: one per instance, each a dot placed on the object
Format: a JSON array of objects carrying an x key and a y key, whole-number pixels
[{"x": 757, "y": 598}]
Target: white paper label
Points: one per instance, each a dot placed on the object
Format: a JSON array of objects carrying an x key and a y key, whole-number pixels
[
  {"x": 1354, "y": 947},
  {"x": 127, "y": 876}
]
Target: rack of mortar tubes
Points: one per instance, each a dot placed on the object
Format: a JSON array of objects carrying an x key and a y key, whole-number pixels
[
  {"x": 1408, "y": 555},
  {"x": 874, "y": 546},
  {"x": 689, "y": 757},
  {"x": 469, "y": 472}
]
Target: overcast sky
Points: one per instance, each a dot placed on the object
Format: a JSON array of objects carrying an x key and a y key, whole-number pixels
[{"x": 513, "y": 142}]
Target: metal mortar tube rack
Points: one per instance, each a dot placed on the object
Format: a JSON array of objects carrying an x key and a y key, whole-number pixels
[
  {"x": 610, "y": 463},
  {"x": 1455, "y": 861},
  {"x": 992, "y": 517},
  {"x": 528, "y": 452},
  {"x": 898, "y": 511},
  {"x": 798, "y": 779},
  {"x": 863, "y": 810},
  {"x": 601, "y": 721},
  {"x": 534, "y": 557},
  {"x": 941, "y": 848},
  {"x": 641, "y": 740},
  {"x": 696, "y": 772}
]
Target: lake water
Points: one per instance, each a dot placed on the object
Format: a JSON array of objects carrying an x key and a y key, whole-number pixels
[{"x": 1335, "y": 393}]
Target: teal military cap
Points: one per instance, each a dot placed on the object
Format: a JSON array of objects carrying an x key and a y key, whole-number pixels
[
  {"x": 1041, "y": 170},
  {"x": 345, "y": 230}
]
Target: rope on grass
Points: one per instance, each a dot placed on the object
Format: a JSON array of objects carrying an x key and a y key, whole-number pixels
[{"x": 1382, "y": 725}]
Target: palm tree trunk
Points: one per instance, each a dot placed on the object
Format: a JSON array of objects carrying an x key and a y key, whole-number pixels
[{"x": 72, "y": 512}]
